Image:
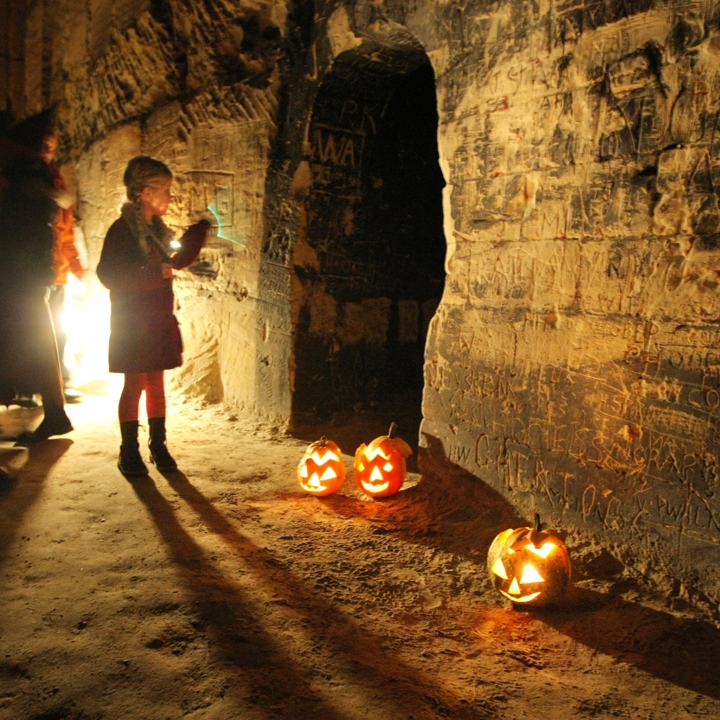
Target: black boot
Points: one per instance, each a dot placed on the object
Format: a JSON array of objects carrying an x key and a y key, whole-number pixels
[
  {"x": 130, "y": 461},
  {"x": 159, "y": 454},
  {"x": 55, "y": 422}
]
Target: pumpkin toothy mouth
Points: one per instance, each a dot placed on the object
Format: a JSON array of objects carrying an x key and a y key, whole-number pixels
[
  {"x": 520, "y": 599},
  {"x": 373, "y": 489},
  {"x": 314, "y": 484}
]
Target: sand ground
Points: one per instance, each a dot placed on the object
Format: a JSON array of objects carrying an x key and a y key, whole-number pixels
[{"x": 223, "y": 591}]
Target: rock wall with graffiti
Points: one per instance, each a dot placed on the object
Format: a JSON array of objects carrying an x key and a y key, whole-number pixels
[
  {"x": 197, "y": 87},
  {"x": 574, "y": 363}
]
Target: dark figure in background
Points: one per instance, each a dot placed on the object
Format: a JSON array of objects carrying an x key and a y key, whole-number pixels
[
  {"x": 28, "y": 208},
  {"x": 137, "y": 266},
  {"x": 66, "y": 258}
]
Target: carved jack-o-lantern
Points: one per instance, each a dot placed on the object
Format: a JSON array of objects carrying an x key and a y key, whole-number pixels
[
  {"x": 529, "y": 567},
  {"x": 380, "y": 466},
  {"x": 321, "y": 470}
]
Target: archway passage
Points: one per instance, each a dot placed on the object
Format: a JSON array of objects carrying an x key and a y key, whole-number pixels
[{"x": 372, "y": 269}]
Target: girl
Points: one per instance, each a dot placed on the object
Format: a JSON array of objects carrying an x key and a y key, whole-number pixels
[{"x": 137, "y": 268}]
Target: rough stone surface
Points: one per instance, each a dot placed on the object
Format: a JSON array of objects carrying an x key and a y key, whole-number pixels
[{"x": 572, "y": 364}]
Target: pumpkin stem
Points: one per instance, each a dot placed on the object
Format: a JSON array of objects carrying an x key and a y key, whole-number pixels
[
  {"x": 391, "y": 431},
  {"x": 323, "y": 441},
  {"x": 538, "y": 524}
]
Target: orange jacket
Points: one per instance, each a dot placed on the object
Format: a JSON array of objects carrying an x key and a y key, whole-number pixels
[{"x": 65, "y": 253}]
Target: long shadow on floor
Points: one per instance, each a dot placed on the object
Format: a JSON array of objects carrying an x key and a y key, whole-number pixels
[
  {"x": 231, "y": 619},
  {"x": 681, "y": 651},
  {"x": 458, "y": 513},
  {"x": 20, "y": 490},
  {"x": 406, "y": 688}
]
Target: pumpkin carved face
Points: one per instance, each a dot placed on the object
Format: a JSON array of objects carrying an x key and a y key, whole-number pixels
[
  {"x": 321, "y": 470},
  {"x": 529, "y": 567},
  {"x": 380, "y": 466}
]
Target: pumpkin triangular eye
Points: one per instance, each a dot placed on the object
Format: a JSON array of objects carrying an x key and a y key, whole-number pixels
[
  {"x": 376, "y": 474},
  {"x": 514, "y": 587},
  {"x": 530, "y": 575},
  {"x": 304, "y": 471},
  {"x": 499, "y": 569},
  {"x": 387, "y": 467},
  {"x": 542, "y": 551},
  {"x": 329, "y": 474}
]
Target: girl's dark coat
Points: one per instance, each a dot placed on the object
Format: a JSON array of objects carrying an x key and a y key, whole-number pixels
[{"x": 144, "y": 333}]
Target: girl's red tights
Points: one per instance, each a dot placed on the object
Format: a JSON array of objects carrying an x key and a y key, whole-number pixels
[{"x": 153, "y": 384}]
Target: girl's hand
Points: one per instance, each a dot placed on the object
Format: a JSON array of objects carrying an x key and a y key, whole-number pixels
[{"x": 167, "y": 271}]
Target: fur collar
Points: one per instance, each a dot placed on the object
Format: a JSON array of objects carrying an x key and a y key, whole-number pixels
[{"x": 158, "y": 234}]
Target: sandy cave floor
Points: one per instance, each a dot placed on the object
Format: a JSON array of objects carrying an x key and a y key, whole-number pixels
[{"x": 224, "y": 592}]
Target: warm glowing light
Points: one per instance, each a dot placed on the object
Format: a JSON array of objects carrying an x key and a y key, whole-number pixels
[
  {"x": 527, "y": 565},
  {"x": 86, "y": 321},
  {"x": 543, "y": 551},
  {"x": 371, "y": 455},
  {"x": 376, "y": 475},
  {"x": 326, "y": 458},
  {"x": 501, "y": 539},
  {"x": 329, "y": 474},
  {"x": 374, "y": 489},
  {"x": 530, "y": 575},
  {"x": 380, "y": 466},
  {"x": 523, "y": 599},
  {"x": 322, "y": 462},
  {"x": 499, "y": 569}
]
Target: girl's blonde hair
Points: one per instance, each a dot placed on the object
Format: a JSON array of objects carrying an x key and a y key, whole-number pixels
[{"x": 141, "y": 171}]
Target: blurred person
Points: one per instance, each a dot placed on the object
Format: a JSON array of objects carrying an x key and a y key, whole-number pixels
[
  {"x": 29, "y": 205},
  {"x": 66, "y": 258}
]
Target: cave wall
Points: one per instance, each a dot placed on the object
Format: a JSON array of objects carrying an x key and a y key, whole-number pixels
[
  {"x": 196, "y": 85},
  {"x": 573, "y": 364}
]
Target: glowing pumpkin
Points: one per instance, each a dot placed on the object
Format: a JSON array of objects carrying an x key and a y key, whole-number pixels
[
  {"x": 321, "y": 470},
  {"x": 528, "y": 566},
  {"x": 380, "y": 466}
]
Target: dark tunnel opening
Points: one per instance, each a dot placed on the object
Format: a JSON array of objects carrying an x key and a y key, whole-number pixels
[{"x": 374, "y": 231}]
